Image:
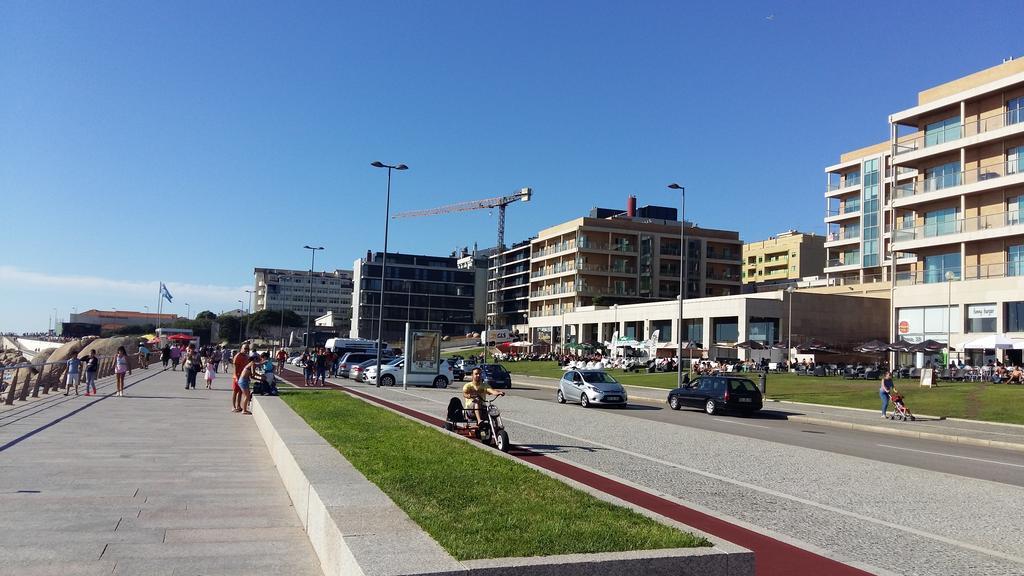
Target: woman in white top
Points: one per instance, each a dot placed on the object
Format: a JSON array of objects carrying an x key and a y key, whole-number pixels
[{"x": 121, "y": 366}]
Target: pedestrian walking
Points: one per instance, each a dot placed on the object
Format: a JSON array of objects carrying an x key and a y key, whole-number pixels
[
  {"x": 191, "y": 367},
  {"x": 225, "y": 357},
  {"x": 884, "y": 392},
  {"x": 73, "y": 368},
  {"x": 211, "y": 370},
  {"x": 92, "y": 367},
  {"x": 165, "y": 354},
  {"x": 307, "y": 368},
  {"x": 215, "y": 356},
  {"x": 282, "y": 356},
  {"x": 121, "y": 367},
  {"x": 175, "y": 357}
]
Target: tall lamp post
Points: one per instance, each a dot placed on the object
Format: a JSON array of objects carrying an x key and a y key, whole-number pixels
[
  {"x": 384, "y": 260},
  {"x": 188, "y": 311},
  {"x": 789, "y": 329},
  {"x": 682, "y": 279},
  {"x": 950, "y": 276},
  {"x": 248, "y": 311},
  {"x": 241, "y": 306},
  {"x": 309, "y": 304}
]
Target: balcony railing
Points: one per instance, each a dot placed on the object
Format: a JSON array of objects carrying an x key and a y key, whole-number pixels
[
  {"x": 979, "y": 174},
  {"x": 852, "y": 260},
  {"x": 974, "y": 127},
  {"x": 607, "y": 291},
  {"x": 552, "y": 311},
  {"x": 615, "y": 247},
  {"x": 998, "y": 270},
  {"x": 833, "y": 186},
  {"x": 552, "y": 291},
  {"x": 554, "y": 249},
  {"x": 973, "y": 224},
  {"x": 842, "y": 235},
  {"x": 670, "y": 250},
  {"x": 847, "y": 209},
  {"x": 722, "y": 276},
  {"x": 724, "y": 255},
  {"x": 556, "y": 269},
  {"x": 613, "y": 269}
]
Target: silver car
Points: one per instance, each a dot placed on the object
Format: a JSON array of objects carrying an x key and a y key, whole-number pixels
[{"x": 590, "y": 388}]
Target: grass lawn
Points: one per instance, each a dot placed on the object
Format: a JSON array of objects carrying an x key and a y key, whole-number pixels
[
  {"x": 974, "y": 400},
  {"x": 474, "y": 503}
]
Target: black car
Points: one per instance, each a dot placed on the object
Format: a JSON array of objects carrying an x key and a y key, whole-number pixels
[
  {"x": 716, "y": 394},
  {"x": 495, "y": 375}
]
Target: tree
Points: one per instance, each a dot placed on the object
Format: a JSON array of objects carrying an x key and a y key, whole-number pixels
[
  {"x": 206, "y": 315},
  {"x": 267, "y": 320},
  {"x": 230, "y": 328}
]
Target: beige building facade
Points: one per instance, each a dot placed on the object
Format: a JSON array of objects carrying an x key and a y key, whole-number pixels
[
  {"x": 623, "y": 260},
  {"x": 961, "y": 213},
  {"x": 782, "y": 258},
  {"x": 945, "y": 194}
]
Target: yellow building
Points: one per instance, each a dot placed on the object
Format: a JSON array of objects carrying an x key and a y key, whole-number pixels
[{"x": 784, "y": 257}]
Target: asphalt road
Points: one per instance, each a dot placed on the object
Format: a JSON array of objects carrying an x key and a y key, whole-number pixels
[{"x": 995, "y": 465}]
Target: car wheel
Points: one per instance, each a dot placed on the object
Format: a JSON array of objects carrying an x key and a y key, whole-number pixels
[
  {"x": 584, "y": 401},
  {"x": 440, "y": 382},
  {"x": 387, "y": 380},
  {"x": 560, "y": 397},
  {"x": 710, "y": 406},
  {"x": 674, "y": 403}
]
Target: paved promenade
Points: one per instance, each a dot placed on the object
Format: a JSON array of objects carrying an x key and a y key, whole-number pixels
[{"x": 163, "y": 481}]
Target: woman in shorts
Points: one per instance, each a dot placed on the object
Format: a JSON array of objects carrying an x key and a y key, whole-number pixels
[{"x": 121, "y": 367}]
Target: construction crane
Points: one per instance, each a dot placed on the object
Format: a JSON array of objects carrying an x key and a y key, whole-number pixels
[{"x": 499, "y": 202}]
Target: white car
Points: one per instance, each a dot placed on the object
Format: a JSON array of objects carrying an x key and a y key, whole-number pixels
[{"x": 391, "y": 374}]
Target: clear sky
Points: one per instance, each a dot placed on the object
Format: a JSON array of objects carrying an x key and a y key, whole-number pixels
[{"x": 189, "y": 142}]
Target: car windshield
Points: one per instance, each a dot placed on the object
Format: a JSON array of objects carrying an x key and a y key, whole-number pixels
[
  {"x": 497, "y": 368},
  {"x": 598, "y": 378},
  {"x": 742, "y": 384}
]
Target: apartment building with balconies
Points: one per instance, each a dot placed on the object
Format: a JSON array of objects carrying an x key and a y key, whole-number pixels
[
  {"x": 783, "y": 258},
  {"x": 960, "y": 213},
  {"x": 625, "y": 258},
  {"x": 508, "y": 287}
]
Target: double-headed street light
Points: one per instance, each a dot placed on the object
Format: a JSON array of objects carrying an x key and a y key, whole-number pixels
[
  {"x": 384, "y": 260},
  {"x": 309, "y": 306},
  {"x": 682, "y": 279}
]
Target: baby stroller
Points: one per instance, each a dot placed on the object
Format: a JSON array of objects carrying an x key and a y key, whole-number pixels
[{"x": 899, "y": 408}]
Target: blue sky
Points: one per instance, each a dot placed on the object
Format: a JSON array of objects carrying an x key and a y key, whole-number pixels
[{"x": 190, "y": 142}]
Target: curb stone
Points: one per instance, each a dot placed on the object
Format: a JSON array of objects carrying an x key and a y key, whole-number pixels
[{"x": 345, "y": 530}]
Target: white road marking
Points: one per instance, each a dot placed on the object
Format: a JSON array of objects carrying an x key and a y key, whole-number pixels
[
  {"x": 953, "y": 456},
  {"x": 724, "y": 421},
  {"x": 769, "y": 491}
]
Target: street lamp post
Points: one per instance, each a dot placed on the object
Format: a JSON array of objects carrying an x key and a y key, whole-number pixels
[
  {"x": 241, "y": 307},
  {"x": 949, "y": 317},
  {"x": 384, "y": 260},
  {"x": 188, "y": 311},
  {"x": 309, "y": 305},
  {"x": 682, "y": 279},
  {"x": 248, "y": 312},
  {"x": 789, "y": 329}
]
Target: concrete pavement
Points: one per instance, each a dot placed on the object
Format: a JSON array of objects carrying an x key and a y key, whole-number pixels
[{"x": 163, "y": 481}]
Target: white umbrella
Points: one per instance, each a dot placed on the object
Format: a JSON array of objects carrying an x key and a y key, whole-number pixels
[
  {"x": 1018, "y": 345},
  {"x": 990, "y": 342},
  {"x": 520, "y": 344}
]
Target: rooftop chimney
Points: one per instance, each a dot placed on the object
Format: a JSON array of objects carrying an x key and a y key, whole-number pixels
[
  {"x": 369, "y": 256},
  {"x": 631, "y": 206}
]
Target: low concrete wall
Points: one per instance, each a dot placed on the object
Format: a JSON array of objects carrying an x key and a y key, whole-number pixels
[{"x": 356, "y": 529}]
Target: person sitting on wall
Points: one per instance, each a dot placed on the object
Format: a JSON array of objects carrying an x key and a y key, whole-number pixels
[{"x": 1016, "y": 376}]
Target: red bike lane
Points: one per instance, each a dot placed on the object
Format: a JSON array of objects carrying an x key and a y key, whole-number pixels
[{"x": 772, "y": 557}]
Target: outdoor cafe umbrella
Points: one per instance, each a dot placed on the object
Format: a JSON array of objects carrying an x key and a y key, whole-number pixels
[
  {"x": 751, "y": 345},
  {"x": 813, "y": 345},
  {"x": 901, "y": 345},
  {"x": 523, "y": 344},
  {"x": 872, "y": 347},
  {"x": 180, "y": 337},
  {"x": 990, "y": 342},
  {"x": 928, "y": 346}
]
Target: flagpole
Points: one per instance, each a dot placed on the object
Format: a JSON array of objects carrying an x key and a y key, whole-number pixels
[{"x": 159, "y": 303}]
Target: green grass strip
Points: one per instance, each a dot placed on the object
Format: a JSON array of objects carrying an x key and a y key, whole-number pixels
[{"x": 474, "y": 503}]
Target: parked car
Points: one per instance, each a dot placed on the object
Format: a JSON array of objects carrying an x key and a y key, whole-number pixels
[
  {"x": 717, "y": 394},
  {"x": 391, "y": 374},
  {"x": 457, "y": 372},
  {"x": 494, "y": 375},
  {"x": 350, "y": 359},
  {"x": 591, "y": 388},
  {"x": 358, "y": 372}
]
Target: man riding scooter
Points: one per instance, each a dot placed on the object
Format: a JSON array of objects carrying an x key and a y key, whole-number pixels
[{"x": 475, "y": 393}]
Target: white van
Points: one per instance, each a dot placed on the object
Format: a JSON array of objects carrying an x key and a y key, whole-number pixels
[
  {"x": 494, "y": 337},
  {"x": 341, "y": 346}
]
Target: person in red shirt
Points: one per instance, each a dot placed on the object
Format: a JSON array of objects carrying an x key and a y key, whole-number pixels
[
  {"x": 240, "y": 361},
  {"x": 281, "y": 357}
]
